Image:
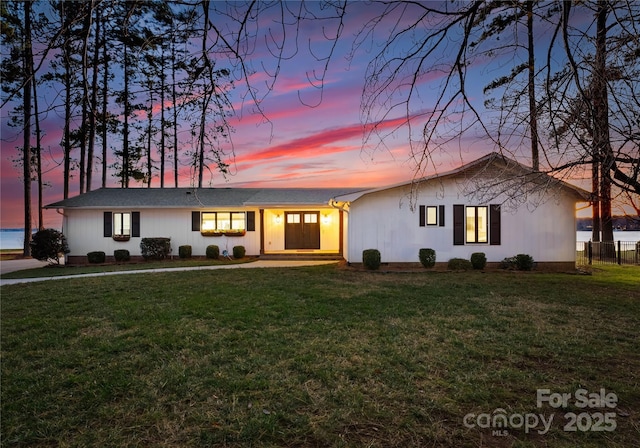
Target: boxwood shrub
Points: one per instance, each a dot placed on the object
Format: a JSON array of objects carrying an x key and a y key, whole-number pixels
[
  {"x": 521, "y": 262},
  {"x": 239, "y": 251},
  {"x": 371, "y": 259},
  {"x": 524, "y": 262},
  {"x": 478, "y": 260},
  {"x": 96, "y": 257},
  {"x": 121, "y": 255},
  {"x": 213, "y": 251},
  {"x": 157, "y": 248},
  {"x": 427, "y": 257},
  {"x": 459, "y": 264},
  {"x": 184, "y": 251}
]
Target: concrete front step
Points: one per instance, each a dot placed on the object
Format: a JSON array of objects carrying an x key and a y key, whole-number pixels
[{"x": 301, "y": 256}]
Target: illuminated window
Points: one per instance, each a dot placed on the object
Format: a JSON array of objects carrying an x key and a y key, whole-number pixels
[
  {"x": 293, "y": 218},
  {"x": 310, "y": 218},
  {"x": 122, "y": 224},
  {"x": 218, "y": 222},
  {"x": 432, "y": 215},
  {"x": 208, "y": 222},
  {"x": 237, "y": 221},
  {"x": 477, "y": 224}
]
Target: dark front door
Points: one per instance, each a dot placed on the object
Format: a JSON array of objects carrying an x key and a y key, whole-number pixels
[{"x": 302, "y": 230}]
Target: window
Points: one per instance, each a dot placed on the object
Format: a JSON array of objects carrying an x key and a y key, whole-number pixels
[
  {"x": 431, "y": 215},
  {"x": 476, "y": 224},
  {"x": 293, "y": 218},
  {"x": 219, "y": 223},
  {"x": 121, "y": 225},
  {"x": 310, "y": 218}
]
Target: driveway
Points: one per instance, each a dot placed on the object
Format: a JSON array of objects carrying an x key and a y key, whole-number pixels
[
  {"x": 7, "y": 266},
  {"x": 255, "y": 264}
]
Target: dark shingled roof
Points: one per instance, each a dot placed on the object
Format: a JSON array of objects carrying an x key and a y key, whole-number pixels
[{"x": 200, "y": 197}]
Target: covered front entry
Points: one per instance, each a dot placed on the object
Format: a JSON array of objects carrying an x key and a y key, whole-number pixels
[{"x": 302, "y": 230}]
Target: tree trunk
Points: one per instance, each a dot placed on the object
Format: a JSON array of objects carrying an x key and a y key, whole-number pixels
[
  {"x": 36, "y": 117},
  {"x": 533, "y": 108},
  {"x": 162, "y": 141},
  {"x": 125, "y": 128},
  {"x": 601, "y": 138},
  {"x": 174, "y": 99},
  {"x": 26, "y": 147},
  {"x": 105, "y": 100},
  {"x": 93, "y": 104}
]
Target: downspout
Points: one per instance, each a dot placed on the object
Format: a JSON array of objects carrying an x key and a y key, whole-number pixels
[{"x": 64, "y": 217}]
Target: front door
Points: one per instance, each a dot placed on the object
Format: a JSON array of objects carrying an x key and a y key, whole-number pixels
[{"x": 302, "y": 230}]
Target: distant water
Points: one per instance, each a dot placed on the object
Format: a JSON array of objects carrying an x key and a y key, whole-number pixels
[
  {"x": 632, "y": 236},
  {"x": 12, "y": 238}
]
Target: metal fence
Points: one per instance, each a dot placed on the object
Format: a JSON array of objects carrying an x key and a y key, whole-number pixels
[{"x": 609, "y": 252}]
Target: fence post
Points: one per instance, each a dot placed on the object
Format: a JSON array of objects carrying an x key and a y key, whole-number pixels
[
  {"x": 619, "y": 253},
  {"x": 590, "y": 253}
]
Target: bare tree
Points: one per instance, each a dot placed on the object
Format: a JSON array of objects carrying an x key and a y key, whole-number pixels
[{"x": 441, "y": 43}]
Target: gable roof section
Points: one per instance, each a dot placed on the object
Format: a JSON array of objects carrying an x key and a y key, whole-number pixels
[
  {"x": 141, "y": 198},
  {"x": 504, "y": 169}
]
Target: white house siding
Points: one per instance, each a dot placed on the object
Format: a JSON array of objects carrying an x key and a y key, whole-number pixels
[
  {"x": 383, "y": 220},
  {"x": 84, "y": 231}
]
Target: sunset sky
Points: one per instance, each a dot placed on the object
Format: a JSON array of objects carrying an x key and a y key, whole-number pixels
[{"x": 302, "y": 146}]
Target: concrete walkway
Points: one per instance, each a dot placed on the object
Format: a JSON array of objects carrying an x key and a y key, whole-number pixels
[{"x": 28, "y": 264}]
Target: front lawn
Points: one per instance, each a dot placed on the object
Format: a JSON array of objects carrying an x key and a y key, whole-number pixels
[{"x": 319, "y": 357}]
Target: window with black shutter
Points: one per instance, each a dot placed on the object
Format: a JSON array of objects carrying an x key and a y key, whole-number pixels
[
  {"x": 135, "y": 224},
  {"x": 251, "y": 221},
  {"x": 494, "y": 224},
  {"x": 195, "y": 221},
  {"x": 476, "y": 224},
  {"x": 107, "y": 224},
  {"x": 458, "y": 225}
]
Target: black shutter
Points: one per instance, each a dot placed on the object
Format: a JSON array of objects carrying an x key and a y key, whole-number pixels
[
  {"x": 135, "y": 224},
  {"x": 251, "y": 221},
  {"x": 441, "y": 215},
  {"x": 458, "y": 225},
  {"x": 195, "y": 221},
  {"x": 108, "y": 224},
  {"x": 423, "y": 212},
  {"x": 494, "y": 224}
]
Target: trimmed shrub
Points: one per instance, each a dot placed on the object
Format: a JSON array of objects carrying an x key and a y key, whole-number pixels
[
  {"x": 371, "y": 259},
  {"x": 427, "y": 257},
  {"x": 459, "y": 264},
  {"x": 96, "y": 257},
  {"x": 239, "y": 251},
  {"x": 184, "y": 251},
  {"x": 524, "y": 262},
  {"x": 121, "y": 255},
  {"x": 508, "y": 263},
  {"x": 521, "y": 262},
  {"x": 478, "y": 260},
  {"x": 157, "y": 248},
  {"x": 213, "y": 251},
  {"x": 48, "y": 244}
]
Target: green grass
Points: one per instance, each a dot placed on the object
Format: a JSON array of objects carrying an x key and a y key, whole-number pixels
[{"x": 314, "y": 357}]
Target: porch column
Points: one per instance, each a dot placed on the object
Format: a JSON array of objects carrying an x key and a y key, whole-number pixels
[
  {"x": 341, "y": 234},
  {"x": 261, "y": 231}
]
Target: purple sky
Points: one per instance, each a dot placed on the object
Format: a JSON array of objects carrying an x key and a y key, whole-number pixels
[{"x": 301, "y": 146}]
